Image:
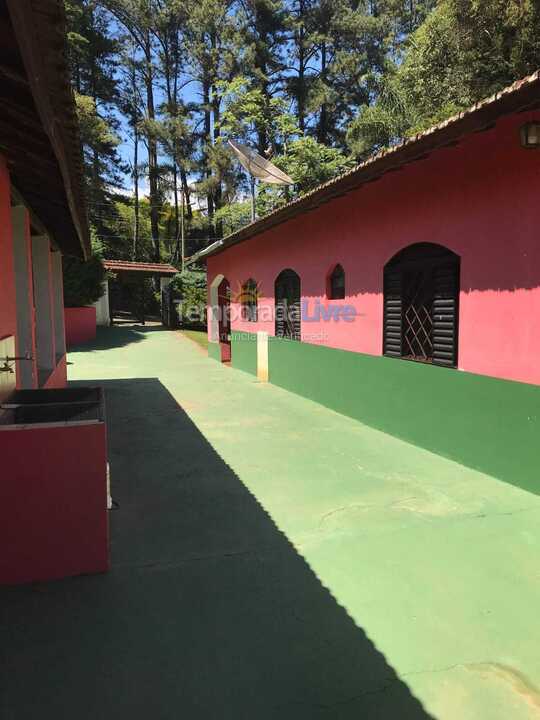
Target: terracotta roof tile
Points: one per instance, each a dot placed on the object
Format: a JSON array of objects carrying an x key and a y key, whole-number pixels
[{"x": 127, "y": 266}]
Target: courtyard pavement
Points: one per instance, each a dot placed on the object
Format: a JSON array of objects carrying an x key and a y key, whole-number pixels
[{"x": 274, "y": 560}]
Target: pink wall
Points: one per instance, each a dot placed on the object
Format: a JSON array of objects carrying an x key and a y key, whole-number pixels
[
  {"x": 8, "y": 306},
  {"x": 53, "y": 502},
  {"x": 479, "y": 199},
  {"x": 58, "y": 378},
  {"x": 80, "y": 325},
  {"x": 8, "y": 320}
]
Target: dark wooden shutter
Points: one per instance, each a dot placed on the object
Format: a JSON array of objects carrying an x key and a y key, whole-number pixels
[
  {"x": 295, "y": 314},
  {"x": 393, "y": 308},
  {"x": 288, "y": 305},
  {"x": 445, "y": 313},
  {"x": 279, "y": 309}
]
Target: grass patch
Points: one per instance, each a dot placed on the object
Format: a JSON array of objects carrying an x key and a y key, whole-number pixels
[{"x": 198, "y": 336}]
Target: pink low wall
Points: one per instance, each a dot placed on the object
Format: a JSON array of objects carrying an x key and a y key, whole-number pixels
[
  {"x": 80, "y": 325},
  {"x": 58, "y": 377},
  {"x": 53, "y": 502},
  {"x": 479, "y": 199}
]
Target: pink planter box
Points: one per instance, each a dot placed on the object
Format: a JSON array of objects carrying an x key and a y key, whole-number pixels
[
  {"x": 80, "y": 325},
  {"x": 53, "y": 495}
]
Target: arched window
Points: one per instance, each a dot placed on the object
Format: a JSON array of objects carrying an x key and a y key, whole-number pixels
[
  {"x": 421, "y": 305},
  {"x": 336, "y": 284},
  {"x": 287, "y": 305},
  {"x": 249, "y": 298}
]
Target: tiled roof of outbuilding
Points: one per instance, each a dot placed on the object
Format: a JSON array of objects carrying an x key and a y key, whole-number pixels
[{"x": 149, "y": 268}]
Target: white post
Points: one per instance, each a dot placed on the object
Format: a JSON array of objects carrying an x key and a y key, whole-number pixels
[
  {"x": 262, "y": 356},
  {"x": 58, "y": 306},
  {"x": 103, "y": 316},
  {"x": 213, "y": 310},
  {"x": 42, "y": 298}
]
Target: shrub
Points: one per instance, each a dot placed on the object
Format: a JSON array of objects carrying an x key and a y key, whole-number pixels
[
  {"x": 83, "y": 281},
  {"x": 190, "y": 287}
]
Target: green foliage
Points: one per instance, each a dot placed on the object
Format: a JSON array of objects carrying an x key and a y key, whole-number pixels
[
  {"x": 248, "y": 110},
  {"x": 190, "y": 287},
  {"x": 96, "y": 133},
  {"x": 234, "y": 216},
  {"x": 309, "y": 164},
  {"x": 83, "y": 281},
  {"x": 464, "y": 51},
  {"x": 141, "y": 296},
  {"x": 309, "y": 83}
]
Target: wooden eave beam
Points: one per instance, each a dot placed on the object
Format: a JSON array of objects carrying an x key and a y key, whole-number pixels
[
  {"x": 18, "y": 199},
  {"x": 36, "y": 65}
]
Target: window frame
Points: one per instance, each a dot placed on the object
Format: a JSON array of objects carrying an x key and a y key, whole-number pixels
[
  {"x": 421, "y": 305},
  {"x": 291, "y": 325},
  {"x": 337, "y": 271}
]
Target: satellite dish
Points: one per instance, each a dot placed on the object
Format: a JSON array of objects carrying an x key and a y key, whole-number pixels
[{"x": 259, "y": 167}]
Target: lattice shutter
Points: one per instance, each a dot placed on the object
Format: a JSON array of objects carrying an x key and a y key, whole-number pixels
[
  {"x": 295, "y": 320},
  {"x": 288, "y": 306},
  {"x": 393, "y": 309},
  {"x": 445, "y": 314},
  {"x": 280, "y": 310}
]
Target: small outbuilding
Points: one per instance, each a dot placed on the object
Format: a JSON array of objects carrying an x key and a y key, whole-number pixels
[
  {"x": 406, "y": 292},
  {"x": 118, "y": 294}
]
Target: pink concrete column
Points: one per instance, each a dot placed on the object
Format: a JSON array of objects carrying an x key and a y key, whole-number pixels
[
  {"x": 26, "y": 321},
  {"x": 8, "y": 311}
]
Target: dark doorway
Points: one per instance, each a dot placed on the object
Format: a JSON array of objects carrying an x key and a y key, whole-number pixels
[
  {"x": 224, "y": 309},
  {"x": 131, "y": 299},
  {"x": 288, "y": 305},
  {"x": 421, "y": 305}
]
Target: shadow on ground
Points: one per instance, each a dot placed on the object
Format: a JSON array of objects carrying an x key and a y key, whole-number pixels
[
  {"x": 117, "y": 336},
  {"x": 208, "y": 613}
]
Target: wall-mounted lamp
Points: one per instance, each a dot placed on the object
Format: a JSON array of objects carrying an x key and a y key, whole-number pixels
[{"x": 530, "y": 135}]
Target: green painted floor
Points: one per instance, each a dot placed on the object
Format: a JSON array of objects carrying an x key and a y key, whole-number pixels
[{"x": 275, "y": 560}]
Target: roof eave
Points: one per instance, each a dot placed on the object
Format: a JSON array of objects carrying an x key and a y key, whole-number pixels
[
  {"x": 522, "y": 95},
  {"x": 40, "y": 35}
]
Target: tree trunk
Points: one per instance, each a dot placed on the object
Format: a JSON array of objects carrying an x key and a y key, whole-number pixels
[
  {"x": 301, "y": 94},
  {"x": 135, "y": 247},
  {"x": 322, "y": 135},
  {"x": 152, "y": 152},
  {"x": 218, "y": 190},
  {"x": 187, "y": 198},
  {"x": 208, "y": 142},
  {"x": 170, "y": 72},
  {"x": 135, "y": 122}
]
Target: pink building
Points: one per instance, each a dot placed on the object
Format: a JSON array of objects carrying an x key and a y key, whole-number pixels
[
  {"x": 406, "y": 293},
  {"x": 53, "y": 518}
]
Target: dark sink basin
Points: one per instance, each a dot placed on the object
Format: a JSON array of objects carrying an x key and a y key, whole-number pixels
[
  {"x": 55, "y": 396},
  {"x": 51, "y": 413}
]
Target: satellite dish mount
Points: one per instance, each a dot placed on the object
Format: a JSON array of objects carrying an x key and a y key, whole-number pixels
[{"x": 259, "y": 168}]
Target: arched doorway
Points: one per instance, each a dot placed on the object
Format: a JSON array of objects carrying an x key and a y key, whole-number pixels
[
  {"x": 224, "y": 319},
  {"x": 288, "y": 295},
  {"x": 421, "y": 305}
]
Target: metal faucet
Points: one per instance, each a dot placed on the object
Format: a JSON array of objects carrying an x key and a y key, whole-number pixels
[{"x": 6, "y": 367}]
